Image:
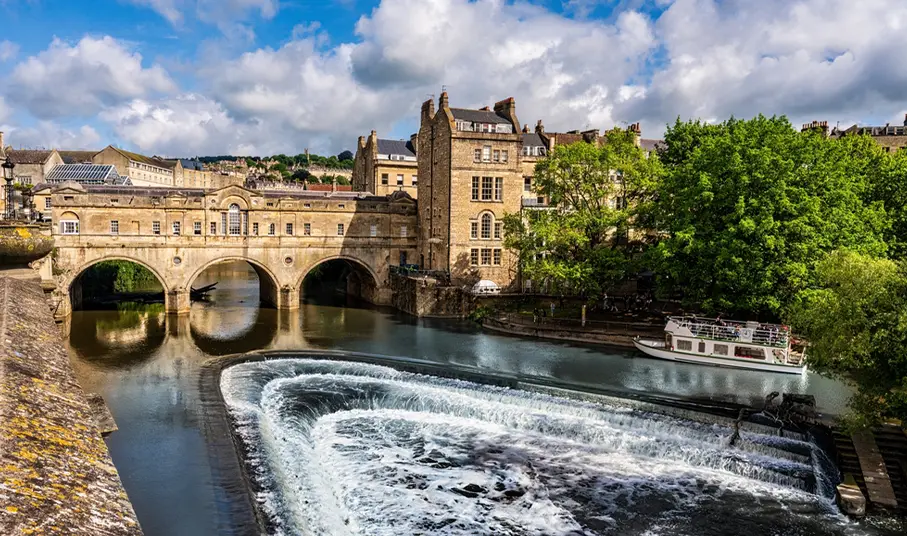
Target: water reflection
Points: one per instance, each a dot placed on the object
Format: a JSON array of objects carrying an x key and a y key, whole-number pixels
[{"x": 146, "y": 364}]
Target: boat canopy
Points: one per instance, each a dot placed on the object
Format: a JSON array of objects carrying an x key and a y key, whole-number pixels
[{"x": 776, "y": 335}]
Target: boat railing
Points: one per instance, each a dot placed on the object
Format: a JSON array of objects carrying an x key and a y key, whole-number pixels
[{"x": 735, "y": 331}]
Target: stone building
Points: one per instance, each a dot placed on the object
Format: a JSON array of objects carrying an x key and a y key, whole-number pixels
[
  {"x": 178, "y": 232},
  {"x": 32, "y": 166},
  {"x": 890, "y": 137},
  {"x": 384, "y": 166},
  {"x": 470, "y": 176},
  {"x": 141, "y": 170}
]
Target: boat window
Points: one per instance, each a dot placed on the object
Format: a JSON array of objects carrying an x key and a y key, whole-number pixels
[
  {"x": 701, "y": 347},
  {"x": 720, "y": 349},
  {"x": 749, "y": 353},
  {"x": 685, "y": 345}
]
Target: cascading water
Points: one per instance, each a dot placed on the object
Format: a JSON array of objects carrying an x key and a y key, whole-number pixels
[{"x": 342, "y": 448}]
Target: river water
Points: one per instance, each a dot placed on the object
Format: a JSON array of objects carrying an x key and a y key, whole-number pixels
[{"x": 607, "y": 471}]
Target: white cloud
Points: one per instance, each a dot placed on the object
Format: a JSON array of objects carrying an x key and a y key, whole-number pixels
[
  {"x": 8, "y": 50},
  {"x": 813, "y": 59},
  {"x": 81, "y": 79},
  {"x": 810, "y": 59},
  {"x": 52, "y": 135},
  {"x": 169, "y": 9}
]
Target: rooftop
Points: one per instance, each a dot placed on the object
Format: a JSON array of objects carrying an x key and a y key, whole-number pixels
[
  {"x": 77, "y": 157},
  {"x": 532, "y": 139},
  {"x": 28, "y": 156},
  {"x": 400, "y": 147},
  {"x": 151, "y": 161},
  {"x": 478, "y": 116},
  {"x": 85, "y": 174}
]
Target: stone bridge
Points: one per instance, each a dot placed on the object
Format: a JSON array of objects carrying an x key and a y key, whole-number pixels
[{"x": 177, "y": 234}]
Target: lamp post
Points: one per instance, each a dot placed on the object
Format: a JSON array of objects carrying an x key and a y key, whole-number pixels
[{"x": 8, "y": 166}]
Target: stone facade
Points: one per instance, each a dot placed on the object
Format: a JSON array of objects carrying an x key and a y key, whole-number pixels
[
  {"x": 141, "y": 170},
  {"x": 57, "y": 474},
  {"x": 386, "y": 166},
  {"x": 177, "y": 233},
  {"x": 890, "y": 137},
  {"x": 470, "y": 177}
]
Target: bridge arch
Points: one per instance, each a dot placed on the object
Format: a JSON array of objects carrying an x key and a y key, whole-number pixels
[
  {"x": 363, "y": 281},
  {"x": 73, "y": 292},
  {"x": 268, "y": 283}
]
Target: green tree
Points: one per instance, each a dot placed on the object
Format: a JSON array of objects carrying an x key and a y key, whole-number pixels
[
  {"x": 589, "y": 240},
  {"x": 748, "y": 208},
  {"x": 890, "y": 189},
  {"x": 856, "y": 324},
  {"x": 345, "y": 155}
]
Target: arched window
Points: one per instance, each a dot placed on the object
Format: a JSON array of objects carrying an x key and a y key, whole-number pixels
[
  {"x": 235, "y": 220},
  {"x": 486, "y": 226}
]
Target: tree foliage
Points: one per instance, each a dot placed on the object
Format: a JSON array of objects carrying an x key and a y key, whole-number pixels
[
  {"x": 748, "y": 208},
  {"x": 585, "y": 243},
  {"x": 856, "y": 323}
]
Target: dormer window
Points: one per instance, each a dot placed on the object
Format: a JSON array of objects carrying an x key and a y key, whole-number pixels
[{"x": 527, "y": 150}]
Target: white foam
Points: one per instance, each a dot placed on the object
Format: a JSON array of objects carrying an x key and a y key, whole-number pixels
[{"x": 401, "y": 453}]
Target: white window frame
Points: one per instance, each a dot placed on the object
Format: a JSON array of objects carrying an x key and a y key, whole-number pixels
[
  {"x": 289, "y": 229},
  {"x": 486, "y": 153},
  {"x": 69, "y": 227},
  {"x": 47, "y": 203},
  {"x": 272, "y": 229},
  {"x": 177, "y": 228},
  {"x": 403, "y": 231},
  {"x": 399, "y": 179},
  {"x": 499, "y": 188},
  {"x": 197, "y": 228},
  {"x": 114, "y": 227}
]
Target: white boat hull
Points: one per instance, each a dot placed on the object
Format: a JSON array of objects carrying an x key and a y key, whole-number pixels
[{"x": 657, "y": 349}]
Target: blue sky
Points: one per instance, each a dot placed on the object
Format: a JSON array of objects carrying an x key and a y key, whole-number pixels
[{"x": 188, "y": 77}]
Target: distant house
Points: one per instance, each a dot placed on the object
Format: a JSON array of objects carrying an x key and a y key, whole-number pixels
[
  {"x": 385, "y": 166},
  {"x": 141, "y": 170}
]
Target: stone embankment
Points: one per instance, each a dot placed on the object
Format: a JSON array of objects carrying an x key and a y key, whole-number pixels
[
  {"x": 56, "y": 476},
  {"x": 594, "y": 332}
]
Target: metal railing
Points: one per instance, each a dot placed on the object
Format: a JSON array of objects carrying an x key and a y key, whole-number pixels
[
  {"x": 733, "y": 331},
  {"x": 412, "y": 270},
  {"x": 610, "y": 326}
]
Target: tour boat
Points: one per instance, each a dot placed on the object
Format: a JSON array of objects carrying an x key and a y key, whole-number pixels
[{"x": 728, "y": 343}]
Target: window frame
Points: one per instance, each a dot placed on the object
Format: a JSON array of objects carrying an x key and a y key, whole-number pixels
[
  {"x": 177, "y": 228},
  {"x": 74, "y": 225},
  {"x": 487, "y": 223},
  {"x": 487, "y": 188},
  {"x": 197, "y": 228},
  {"x": 341, "y": 229},
  {"x": 114, "y": 227},
  {"x": 474, "y": 257},
  {"x": 307, "y": 229},
  {"x": 288, "y": 228}
]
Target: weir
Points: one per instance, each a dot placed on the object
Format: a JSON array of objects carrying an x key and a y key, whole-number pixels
[{"x": 339, "y": 447}]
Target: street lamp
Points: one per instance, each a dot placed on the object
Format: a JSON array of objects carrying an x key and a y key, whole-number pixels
[{"x": 8, "y": 177}]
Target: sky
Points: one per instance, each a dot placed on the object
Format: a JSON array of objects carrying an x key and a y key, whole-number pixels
[{"x": 182, "y": 78}]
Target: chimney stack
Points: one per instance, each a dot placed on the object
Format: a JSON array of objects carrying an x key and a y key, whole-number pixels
[
  {"x": 526, "y": 129},
  {"x": 539, "y": 127},
  {"x": 905, "y": 124},
  {"x": 443, "y": 102},
  {"x": 414, "y": 141},
  {"x": 428, "y": 110},
  {"x": 507, "y": 109}
]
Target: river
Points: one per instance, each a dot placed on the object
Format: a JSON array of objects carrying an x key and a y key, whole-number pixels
[{"x": 146, "y": 367}]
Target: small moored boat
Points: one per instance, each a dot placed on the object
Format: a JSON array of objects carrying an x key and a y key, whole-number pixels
[{"x": 728, "y": 343}]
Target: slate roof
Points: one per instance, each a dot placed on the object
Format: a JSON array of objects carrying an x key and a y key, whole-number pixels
[
  {"x": 192, "y": 164},
  {"x": 27, "y": 156},
  {"x": 478, "y": 116},
  {"x": 400, "y": 147},
  {"x": 77, "y": 157},
  {"x": 157, "y": 162},
  {"x": 532, "y": 139}
]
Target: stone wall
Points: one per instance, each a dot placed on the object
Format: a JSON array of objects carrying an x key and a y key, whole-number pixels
[
  {"x": 610, "y": 333},
  {"x": 426, "y": 297},
  {"x": 57, "y": 476}
]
